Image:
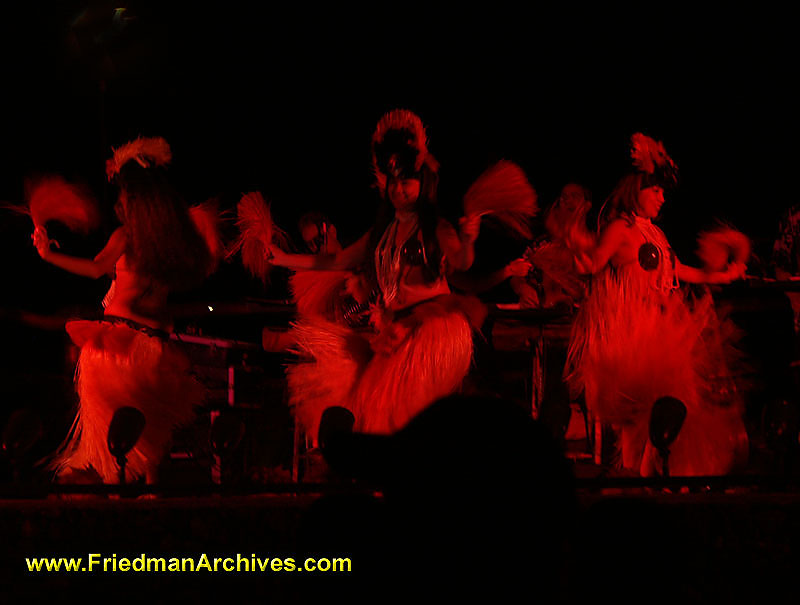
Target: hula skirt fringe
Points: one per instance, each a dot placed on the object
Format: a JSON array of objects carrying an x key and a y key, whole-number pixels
[
  {"x": 632, "y": 344},
  {"x": 386, "y": 377},
  {"x": 123, "y": 366}
]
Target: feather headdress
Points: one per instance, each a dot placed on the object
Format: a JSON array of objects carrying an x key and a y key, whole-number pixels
[
  {"x": 145, "y": 151},
  {"x": 503, "y": 191},
  {"x": 51, "y": 198},
  {"x": 257, "y": 232},
  {"x": 399, "y": 146},
  {"x": 650, "y": 158}
]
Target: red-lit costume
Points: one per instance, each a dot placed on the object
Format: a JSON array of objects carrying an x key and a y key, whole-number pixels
[
  {"x": 419, "y": 347},
  {"x": 127, "y": 358},
  {"x": 413, "y": 356},
  {"x": 637, "y": 338},
  {"x": 123, "y": 363}
]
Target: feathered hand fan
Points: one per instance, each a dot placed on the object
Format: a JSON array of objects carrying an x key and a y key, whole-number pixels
[
  {"x": 52, "y": 198},
  {"x": 206, "y": 219},
  {"x": 257, "y": 232},
  {"x": 504, "y": 192},
  {"x": 722, "y": 245}
]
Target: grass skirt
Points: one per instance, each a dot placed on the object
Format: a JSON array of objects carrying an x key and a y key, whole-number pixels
[
  {"x": 123, "y": 366},
  {"x": 385, "y": 377},
  {"x": 632, "y": 344}
]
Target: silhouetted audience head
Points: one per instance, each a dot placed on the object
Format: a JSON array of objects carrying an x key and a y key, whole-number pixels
[{"x": 477, "y": 494}]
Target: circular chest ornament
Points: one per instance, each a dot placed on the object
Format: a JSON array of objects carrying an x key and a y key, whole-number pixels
[
  {"x": 412, "y": 253},
  {"x": 649, "y": 256}
]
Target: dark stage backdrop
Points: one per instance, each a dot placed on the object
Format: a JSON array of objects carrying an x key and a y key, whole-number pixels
[{"x": 285, "y": 100}]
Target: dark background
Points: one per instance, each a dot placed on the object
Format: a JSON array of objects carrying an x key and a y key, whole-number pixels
[{"x": 284, "y": 100}]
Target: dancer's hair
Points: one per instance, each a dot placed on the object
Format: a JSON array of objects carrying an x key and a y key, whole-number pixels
[{"x": 163, "y": 242}]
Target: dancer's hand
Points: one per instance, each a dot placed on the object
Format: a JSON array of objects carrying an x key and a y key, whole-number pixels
[
  {"x": 42, "y": 242},
  {"x": 735, "y": 271},
  {"x": 391, "y": 337},
  {"x": 356, "y": 286},
  {"x": 518, "y": 268},
  {"x": 470, "y": 227},
  {"x": 276, "y": 256}
]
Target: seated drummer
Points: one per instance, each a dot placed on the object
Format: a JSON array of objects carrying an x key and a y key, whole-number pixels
[
  {"x": 498, "y": 260},
  {"x": 553, "y": 280},
  {"x": 318, "y": 234}
]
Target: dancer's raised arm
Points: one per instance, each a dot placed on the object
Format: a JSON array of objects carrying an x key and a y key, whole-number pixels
[
  {"x": 102, "y": 264},
  {"x": 349, "y": 258}
]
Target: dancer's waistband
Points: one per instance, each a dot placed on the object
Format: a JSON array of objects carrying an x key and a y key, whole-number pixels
[{"x": 135, "y": 325}]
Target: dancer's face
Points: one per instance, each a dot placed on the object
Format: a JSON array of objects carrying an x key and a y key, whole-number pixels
[
  {"x": 403, "y": 193},
  {"x": 312, "y": 237},
  {"x": 650, "y": 201},
  {"x": 571, "y": 197}
]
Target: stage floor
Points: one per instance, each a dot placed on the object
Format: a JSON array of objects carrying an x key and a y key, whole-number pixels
[{"x": 700, "y": 546}]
